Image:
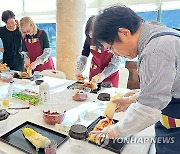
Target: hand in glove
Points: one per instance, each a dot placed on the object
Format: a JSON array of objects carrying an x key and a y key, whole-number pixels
[
  {"x": 108, "y": 132},
  {"x": 124, "y": 102},
  {"x": 26, "y": 63},
  {"x": 98, "y": 78},
  {"x": 33, "y": 65}
]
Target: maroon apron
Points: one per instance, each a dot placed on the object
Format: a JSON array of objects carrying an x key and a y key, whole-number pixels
[
  {"x": 100, "y": 60},
  {"x": 35, "y": 50}
]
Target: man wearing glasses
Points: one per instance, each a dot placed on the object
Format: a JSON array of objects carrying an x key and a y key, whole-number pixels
[{"x": 158, "y": 50}]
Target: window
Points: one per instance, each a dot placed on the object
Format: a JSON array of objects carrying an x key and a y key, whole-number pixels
[
  {"x": 148, "y": 16},
  {"x": 170, "y": 14},
  {"x": 171, "y": 18},
  {"x": 50, "y": 29}
]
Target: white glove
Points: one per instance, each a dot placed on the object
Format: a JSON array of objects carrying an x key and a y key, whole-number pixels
[
  {"x": 34, "y": 65},
  {"x": 81, "y": 63},
  {"x": 108, "y": 132},
  {"x": 98, "y": 78},
  {"x": 101, "y": 77},
  {"x": 26, "y": 63}
]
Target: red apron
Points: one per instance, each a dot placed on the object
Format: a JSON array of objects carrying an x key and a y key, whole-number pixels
[
  {"x": 35, "y": 50},
  {"x": 99, "y": 62}
]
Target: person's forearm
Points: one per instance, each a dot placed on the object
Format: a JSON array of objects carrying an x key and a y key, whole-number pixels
[
  {"x": 81, "y": 63},
  {"x": 25, "y": 54},
  {"x": 44, "y": 57},
  {"x": 112, "y": 67},
  {"x": 137, "y": 117}
]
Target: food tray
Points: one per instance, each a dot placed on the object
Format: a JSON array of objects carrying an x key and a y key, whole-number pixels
[
  {"x": 77, "y": 85},
  {"x": 16, "y": 138},
  {"x": 115, "y": 146},
  {"x": 16, "y": 75}
]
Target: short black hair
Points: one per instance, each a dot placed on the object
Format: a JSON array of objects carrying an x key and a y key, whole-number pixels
[
  {"x": 6, "y": 15},
  {"x": 109, "y": 20},
  {"x": 89, "y": 25}
]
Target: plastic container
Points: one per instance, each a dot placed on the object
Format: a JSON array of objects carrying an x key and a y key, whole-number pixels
[
  {"x": 27, "y": 95},
  {"x": 11, "y": 89},
  {"x": 78, "y": 138},
  {"x": 53, "y": 113},
  {"x": 80, "y": 95},
  {"x": 53, "y": 118},
  {"x": 37, "y": 75},
  {"x": 51, "y": 148},
  {"x": 3, "y": 119},
  {"x": 44, "y": 93},
  {"x": 6, "y": 77}
]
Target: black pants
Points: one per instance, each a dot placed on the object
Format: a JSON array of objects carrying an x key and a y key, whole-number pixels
[
  {"x": 168, "y": 140},
  {"x": 15, "y": 62}
]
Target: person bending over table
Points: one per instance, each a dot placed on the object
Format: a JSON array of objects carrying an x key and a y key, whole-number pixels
[
  {"x": 104, "y": 65},
  {"x": 36, "y": 47},
  {"x": 157, "y": 47}
]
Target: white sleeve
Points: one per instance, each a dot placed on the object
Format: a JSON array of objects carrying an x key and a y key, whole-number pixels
[
  {"x": 81, "y": 63},
  {"x": 112, "y": 67},
  {"x": 42, "y": 58},
  {"x": 137, "y": 117}
]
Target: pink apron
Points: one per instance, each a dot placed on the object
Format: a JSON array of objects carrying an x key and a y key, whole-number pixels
[
  {"x": 99, "y": 62},
  {"x": 35, "y": 50}
]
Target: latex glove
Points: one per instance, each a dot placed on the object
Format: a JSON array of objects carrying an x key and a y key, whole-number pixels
[
  {"x": 98, "y": 78},
  {"x": 108, "y": 132},
  {"x": 26, "y": 63},
  {"x": 33, "y": 65},
  {"x": 95, "y": 78},
  {"x": 81, "y": 63},
  {"x": 124, "y": 102}
]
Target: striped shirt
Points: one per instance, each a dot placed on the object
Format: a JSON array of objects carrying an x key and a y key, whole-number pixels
[
  {"x": 159, "y": 73},
  {"x": 158, "y": 66}
]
